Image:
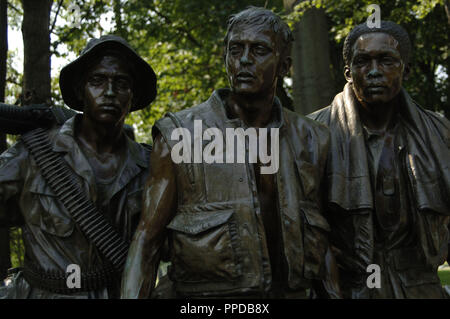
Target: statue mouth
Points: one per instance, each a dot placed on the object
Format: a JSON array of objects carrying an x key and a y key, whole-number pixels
[
  {"x": 375, "y": 84},
  {"x": 109, "y": 107},
  {"x": 374, "y": 88},
  {"x": 245, "y": 76}
]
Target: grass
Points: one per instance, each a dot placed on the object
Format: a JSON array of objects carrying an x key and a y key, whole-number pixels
[{"x": 444, "y": 275}]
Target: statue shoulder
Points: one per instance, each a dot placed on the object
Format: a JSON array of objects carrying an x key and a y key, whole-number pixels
[
  {"x": 439, "y": 120},
  {"x": 436, "y": 122},
  {"x": 323, "y": 115},
  {"x": 182, "y": 119},
  {"x": 307, "y": 129},
  {"x": 306, "y": 122},
  {"x": 309, "y": 134},
  {"x": 11, "y": 158}
]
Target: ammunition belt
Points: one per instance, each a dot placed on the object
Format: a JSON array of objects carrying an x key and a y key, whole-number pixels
[
  {"x": 64, "y": 184},
  {"x": 56, "y": 281}
]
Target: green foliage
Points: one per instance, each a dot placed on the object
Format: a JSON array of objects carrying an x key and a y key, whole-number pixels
[
  {"x": 182, "y": 40},
  {"x": 13, "y": 79},
  {"x": 15, "y": 14},
  {"x": 444, "y": 275},
  {"x": 17, "y": 247}
]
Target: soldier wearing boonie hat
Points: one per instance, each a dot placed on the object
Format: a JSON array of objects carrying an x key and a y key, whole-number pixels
[
  {"x": 143, "y": 74},
  {"x": 106, "y": 82}
]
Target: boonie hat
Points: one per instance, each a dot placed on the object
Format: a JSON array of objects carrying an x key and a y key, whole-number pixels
[{"x": 144, "y": 78}]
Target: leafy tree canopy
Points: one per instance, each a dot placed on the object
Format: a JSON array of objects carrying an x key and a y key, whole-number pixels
[{"x": 182, "y": 40}]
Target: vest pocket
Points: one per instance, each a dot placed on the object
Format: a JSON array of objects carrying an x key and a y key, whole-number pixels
[
  {"x": 315, "y": 241},
  {"x": 48, "y": 213},
  {"x": 204, "y": 247}
]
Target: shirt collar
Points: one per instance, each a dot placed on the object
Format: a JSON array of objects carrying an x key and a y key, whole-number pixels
[
  {"x": 64, "y": 142},
  {"x": 276, "y": 120}
]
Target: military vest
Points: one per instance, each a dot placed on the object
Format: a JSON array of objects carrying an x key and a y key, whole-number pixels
[{"x": 216, "y": 239}]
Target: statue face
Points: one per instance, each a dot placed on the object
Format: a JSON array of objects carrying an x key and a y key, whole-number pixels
[
  {"x": 376, "y": 69},
  {"x": 252, "y": 60},
  {"x": 108, "y": 91}
]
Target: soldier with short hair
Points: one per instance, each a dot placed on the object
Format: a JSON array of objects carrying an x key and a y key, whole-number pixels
[
  {"x": 234, "y": 230},
  {"x": 388, "y": 173}
]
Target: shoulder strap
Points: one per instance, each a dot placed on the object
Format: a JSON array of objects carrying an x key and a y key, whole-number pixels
[
  {"x": 63, "y": 183},
  {"x": 165, "y": 126}
]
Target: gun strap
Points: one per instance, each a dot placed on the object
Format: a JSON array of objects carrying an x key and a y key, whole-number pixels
[{"x": 65, "y": 185}]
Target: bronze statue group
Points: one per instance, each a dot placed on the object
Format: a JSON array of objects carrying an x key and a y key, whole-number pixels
[{"x": 364, "y": 181}]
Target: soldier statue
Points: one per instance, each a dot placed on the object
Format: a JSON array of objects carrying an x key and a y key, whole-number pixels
[
  {"x": 388, "y": 173},
  {"x": 233, "y": 229},
  {"x": 97, "y": 160}
]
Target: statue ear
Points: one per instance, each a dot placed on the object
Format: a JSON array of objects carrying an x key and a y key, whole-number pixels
[
  {"x": 285, "y": 66},
  {"x": 348, "y": 74},
  {"x": 79, "y": 93},
  {"x": 134, "y": 99},
  {"x": 406, "y": 72},
  {"x": 224, "y": 54}
]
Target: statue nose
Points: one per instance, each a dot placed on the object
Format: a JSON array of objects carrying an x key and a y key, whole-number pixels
[
  {"x": 109, "y": 89},
  {"x": 245, "y": 57},
  {"x": 374, "y": 71}
]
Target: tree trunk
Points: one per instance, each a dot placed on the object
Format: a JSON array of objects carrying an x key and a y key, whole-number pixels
[
  {"x": 313, "y": 85},
  {"x": 36, "y": 45},
  {"x": 5, "y": 255},
  {"x": 3, "y": 57}
]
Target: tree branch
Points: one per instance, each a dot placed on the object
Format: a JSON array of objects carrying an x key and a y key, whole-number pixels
[
  {"x": 181, "y": 29},
  {"x": 56, "y": 16},
  {"x": 14, "y": 8},
  {"x": 13, "y": 81}
]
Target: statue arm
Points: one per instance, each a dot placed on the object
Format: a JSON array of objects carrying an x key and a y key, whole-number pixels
[
  {"x": 13, "y": 164},
  {"x": 329, "y": 287},
  {"x": 159, "y": 206}
]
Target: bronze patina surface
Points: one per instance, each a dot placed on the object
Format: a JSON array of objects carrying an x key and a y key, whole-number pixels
[
  {"x": 232, "y": 231},
  {"x": 105, "y": 82},
  {"x": 388, "y": 173}
]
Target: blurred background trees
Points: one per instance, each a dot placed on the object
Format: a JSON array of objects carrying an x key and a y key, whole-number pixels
[
  {"x": 5, "y": 262},
  {"x": 183, "y": 41}
]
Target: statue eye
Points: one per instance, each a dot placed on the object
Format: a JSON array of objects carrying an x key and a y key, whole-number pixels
[
  {"x": 96, "y": 80},
  {"x": 235, "y": 49},
  {"x": 387, "y": 60},
  {"x": 360, "y": 60},
  {"x": 123, "y": 83},
  {"x": 261, "y": 50}
]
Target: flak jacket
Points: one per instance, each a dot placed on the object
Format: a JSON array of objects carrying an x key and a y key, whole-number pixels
[{"x": 217, "y": 239}]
